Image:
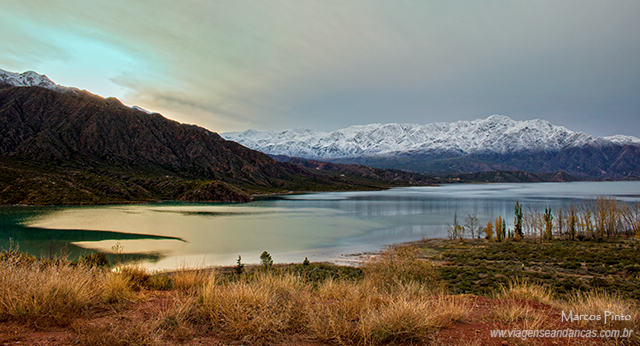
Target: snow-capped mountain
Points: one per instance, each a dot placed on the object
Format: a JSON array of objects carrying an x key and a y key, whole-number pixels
[
  {"x": 623, "y": 140},
  {"x": 31, "y": 78},
  {"x": 496, "y": 134}
]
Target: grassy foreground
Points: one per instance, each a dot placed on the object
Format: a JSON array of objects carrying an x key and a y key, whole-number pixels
[{"x": 396, "y": 297}]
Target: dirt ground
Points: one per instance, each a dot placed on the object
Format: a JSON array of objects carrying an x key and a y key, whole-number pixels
[{"x": 135, "y": 323}]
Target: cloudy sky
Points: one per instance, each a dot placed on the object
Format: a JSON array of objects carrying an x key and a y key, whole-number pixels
[{"x": 274, "y": 64}]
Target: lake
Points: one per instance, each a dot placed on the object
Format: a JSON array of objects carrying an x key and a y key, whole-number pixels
[{"x": 320, "y": 226}]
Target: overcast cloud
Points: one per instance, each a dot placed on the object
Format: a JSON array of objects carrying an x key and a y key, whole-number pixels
[{"x": 234, "y": 65}]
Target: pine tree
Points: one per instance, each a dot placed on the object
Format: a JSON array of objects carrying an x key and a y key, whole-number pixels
[
  {"x": 239, "y": 266},
  {"x": 266, "y": 260}
]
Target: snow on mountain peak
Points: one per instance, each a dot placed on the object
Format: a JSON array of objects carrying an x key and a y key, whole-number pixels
[
  {"x": 138, "y": 108},
  {"x": 30, "y": 79},
  {"x": 497, "y": 133},
  {"x": 623, "y": 140}
]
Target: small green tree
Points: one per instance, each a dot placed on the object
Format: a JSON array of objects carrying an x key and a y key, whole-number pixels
[
  {"x": 548, "y": 222},
  {"x": 266, "y": 260},
  {"x": 517, "y": 223},
  {"x": 239, "y": 266}
]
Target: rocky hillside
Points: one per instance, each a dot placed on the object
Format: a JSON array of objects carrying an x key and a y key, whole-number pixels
[{"x": 59, "y": 147}]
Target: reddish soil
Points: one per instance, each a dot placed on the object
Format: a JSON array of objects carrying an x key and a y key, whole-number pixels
[{"x": 106, "y": 326}]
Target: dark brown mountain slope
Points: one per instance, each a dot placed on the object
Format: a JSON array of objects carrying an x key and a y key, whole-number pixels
[
  {"x": 46, "y": 126},
  {"x": 76, "y": 148}
]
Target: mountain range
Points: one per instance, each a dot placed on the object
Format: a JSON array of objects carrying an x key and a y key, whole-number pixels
[
  {"x": 61, "y": 145},
  {"x": 495, "y": 143}
]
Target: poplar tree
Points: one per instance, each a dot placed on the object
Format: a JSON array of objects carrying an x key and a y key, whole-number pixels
[
  {"x": 548, "y": 222},
  {"x": 489, "y": 231},
  {"x": 500, "y": 229},
  {"x": 517, "y": 224}
]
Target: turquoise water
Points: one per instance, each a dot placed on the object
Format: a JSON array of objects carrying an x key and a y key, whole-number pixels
[{"x": 320, "y": 226}]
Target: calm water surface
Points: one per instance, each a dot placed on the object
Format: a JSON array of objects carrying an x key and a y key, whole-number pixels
[{"x": 320, "y": 226}]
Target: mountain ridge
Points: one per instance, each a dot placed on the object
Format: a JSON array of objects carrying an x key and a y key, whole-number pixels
[
  {"x": 79, "y": 148},
  {"x": 494, "y": 143},
  {"x": 497, "y": 133}
]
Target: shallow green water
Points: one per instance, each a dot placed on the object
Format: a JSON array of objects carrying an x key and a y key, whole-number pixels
[{"x": 321, "y": 226}]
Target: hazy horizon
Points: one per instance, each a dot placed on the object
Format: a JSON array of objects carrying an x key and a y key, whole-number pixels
[{"x": 275, "y": 65}]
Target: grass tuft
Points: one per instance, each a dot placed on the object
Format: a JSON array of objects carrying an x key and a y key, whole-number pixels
[
  {"x": 49, "y": 294},
  {"x": 523, "y": 289}
]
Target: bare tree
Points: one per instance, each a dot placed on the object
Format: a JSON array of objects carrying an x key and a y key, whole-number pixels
[
  {"x": 585, "y": 220},
  {"x": 572, "y": 222},
  {"x": 471, "y": 224}
]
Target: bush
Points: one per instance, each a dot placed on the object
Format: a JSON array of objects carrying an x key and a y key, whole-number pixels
[{"x": 95, "y": 260}]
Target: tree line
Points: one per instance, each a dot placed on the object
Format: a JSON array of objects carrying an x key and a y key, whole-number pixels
[{"x": 589, "y": 219}]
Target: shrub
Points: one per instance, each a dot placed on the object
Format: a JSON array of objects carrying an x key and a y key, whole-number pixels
[{"x": 96, "y": 259}]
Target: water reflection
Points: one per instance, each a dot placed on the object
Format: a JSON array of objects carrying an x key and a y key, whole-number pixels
[{"x": 320, "y": 226}]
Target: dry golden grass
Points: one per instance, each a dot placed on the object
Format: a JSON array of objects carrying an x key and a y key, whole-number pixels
[
  {"x": 190, "y": 281},
  {"x": 402, "y": 304},
  {"x": 116, "y": 288},
  {"x": 337, "y": 309},
  {"x": 511, "y": 312},
  {"x": 400, "y": 266},
  {"x": 394, "y": 303},
  {"x": 44, "y": 294},
  {"x": 597, "y": 303},
  {"x": 525, "y": 290},
  {"x": 258, "y": 311},
  {"x": 406, "y": 319},
  {"x": 138, "y": 276}
]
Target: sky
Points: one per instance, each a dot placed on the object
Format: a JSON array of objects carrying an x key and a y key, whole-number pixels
[{"x": 274, "y": 64}]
